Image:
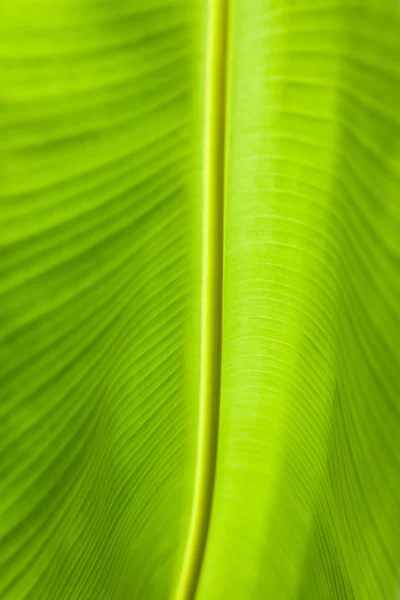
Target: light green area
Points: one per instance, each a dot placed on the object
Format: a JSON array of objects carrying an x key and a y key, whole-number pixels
[{"x": 307, "y": 501}]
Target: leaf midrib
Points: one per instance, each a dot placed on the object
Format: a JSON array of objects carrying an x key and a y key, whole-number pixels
[{"x": 211, "y": 296}]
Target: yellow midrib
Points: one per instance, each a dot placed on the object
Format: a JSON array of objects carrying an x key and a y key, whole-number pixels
[{"x": 211, "y": 297}]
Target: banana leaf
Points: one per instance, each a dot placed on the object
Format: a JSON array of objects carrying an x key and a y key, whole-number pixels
[{"x": 199, "y": 299}]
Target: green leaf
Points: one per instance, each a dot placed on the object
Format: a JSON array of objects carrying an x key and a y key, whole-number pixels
[
  {"x": 199, "y": 277},
  {"x": 308, "y": 479},
  {"x": 99, "y": 237}
]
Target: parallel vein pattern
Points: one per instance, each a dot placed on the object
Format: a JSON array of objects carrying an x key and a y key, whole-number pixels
[
  {"x": 96, "y": 188},
  {"x": 308, "y": 477}
]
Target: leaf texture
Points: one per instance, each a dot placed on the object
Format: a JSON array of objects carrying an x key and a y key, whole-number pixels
[
  {"x": 115, "y": 167},
  {"x": 308, "y": 474},
  {"x": 99, "y": 242}
]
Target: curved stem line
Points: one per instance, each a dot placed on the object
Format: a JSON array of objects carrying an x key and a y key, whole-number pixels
[{"x": 211, "y": 297}]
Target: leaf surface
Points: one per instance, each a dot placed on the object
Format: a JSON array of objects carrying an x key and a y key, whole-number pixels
[
  {"x": 308, "y": 471},
  {"x": 148, "y": 168},
  {"x": 100, "y": 226}
]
